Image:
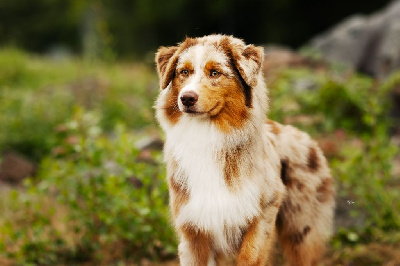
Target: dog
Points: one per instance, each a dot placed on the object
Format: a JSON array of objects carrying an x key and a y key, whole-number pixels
[{"x": 235, "y": 178}]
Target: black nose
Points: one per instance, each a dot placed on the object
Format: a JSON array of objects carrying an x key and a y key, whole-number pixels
[{"x": 189, "y": 98}]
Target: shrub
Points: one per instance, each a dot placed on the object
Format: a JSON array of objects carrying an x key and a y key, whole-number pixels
[
  {"x": 114, "y": 206},
  {"x": 351, "y": 102},
  {"x": 28, "y": 120}
]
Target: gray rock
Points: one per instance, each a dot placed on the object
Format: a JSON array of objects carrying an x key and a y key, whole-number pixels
[
  {"x": 370, "y": 44},
  {"x": 342, "y": 43}
]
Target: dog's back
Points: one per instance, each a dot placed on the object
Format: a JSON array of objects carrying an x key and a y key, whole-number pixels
[{"x": 305, "y": 218}]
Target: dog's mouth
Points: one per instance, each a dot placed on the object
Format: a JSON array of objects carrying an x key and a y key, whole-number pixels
[
  {"x": 193, "y": 111},
  {"x": 190, "y": 111}
]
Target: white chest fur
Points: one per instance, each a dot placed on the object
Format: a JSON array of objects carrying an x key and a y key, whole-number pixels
[{"x": 212, "y": 205}]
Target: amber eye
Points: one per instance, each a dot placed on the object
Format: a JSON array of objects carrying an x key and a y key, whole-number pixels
[
  {"x": 184, "y": 72},
  {"x": 214, "y": 73}
]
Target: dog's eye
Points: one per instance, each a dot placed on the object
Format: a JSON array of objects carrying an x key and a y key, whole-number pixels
[
  {"x": 214, "y": 73},
  {"x": 184, "y": 72}
]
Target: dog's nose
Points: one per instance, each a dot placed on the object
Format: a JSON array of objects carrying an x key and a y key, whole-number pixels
[{"x": 189, "y": 98}]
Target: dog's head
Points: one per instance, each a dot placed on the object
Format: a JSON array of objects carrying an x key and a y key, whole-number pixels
[{"x": 212, "y": 76}]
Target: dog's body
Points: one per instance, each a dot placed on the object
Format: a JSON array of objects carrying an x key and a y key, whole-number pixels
[{"x": 234, "y": 180}]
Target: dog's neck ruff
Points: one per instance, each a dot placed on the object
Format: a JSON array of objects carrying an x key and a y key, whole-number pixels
[{"x": 197, "y": 146}]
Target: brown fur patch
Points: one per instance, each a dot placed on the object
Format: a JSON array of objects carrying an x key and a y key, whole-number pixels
[
  {"x": 286, "y": 179},
  {"x": 235, "y": 58},
  {"x": 231, "y": 169},
  {"x": 274, "y": 127},
  {"x": 296, "y": 238},
  {"x": 313, "y": 160},
  {"x": 200, "y": 243},
  {"x": 325, "y": 190},
  {"x": 163, "y": 56},
  {"x": 186, "y": 65},
  {"x": 306, "y": 230},
  {"x": 244, "y": 56},
  {"x": 231, "y": 109},
  {"x": 273, "y": 201},
  {"x": 279, "y": 222},
  {"x": 169, "y": 71},
  {"x": 299, "y": 186},
  {"x": 253, "y": 53},
  {"x": 181, "y": 196},
  {"x": 258, "y": 240},
  {"x": 235, "y": 241},
  {"x": 211, "y": 65},
  {"x": 287, "y": 205},
  {"x": 250, "y": 52},
  {"x": 171, "y": 108},
  {"x": 247, "y": 250},
  {"x": 187, "y": 43}
]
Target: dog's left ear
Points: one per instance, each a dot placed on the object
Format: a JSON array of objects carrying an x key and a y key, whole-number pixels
[
  {"x": 166, "y": 60},
  {"x": 248, "y": 62}
]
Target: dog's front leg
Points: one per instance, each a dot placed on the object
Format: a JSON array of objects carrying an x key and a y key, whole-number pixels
[
  {"x": 195, "y": 248},
  {"x": 257, "y": 243}
]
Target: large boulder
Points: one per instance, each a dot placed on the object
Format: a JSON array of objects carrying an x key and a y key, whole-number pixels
[{"x": 370, "y": 44}]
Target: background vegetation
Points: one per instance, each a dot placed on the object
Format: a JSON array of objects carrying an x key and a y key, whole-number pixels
[
  {"x": 86, "y": 123},
  {"x": 99, "y": 195}
]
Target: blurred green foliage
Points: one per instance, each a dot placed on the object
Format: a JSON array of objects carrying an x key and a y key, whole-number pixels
[
  {"x": 90, "y": 193},
  {"x": 351, "y": 102},
  {"x": 94, "y": 198},
  {"x": 114, "y": 207},
  {"x": 37, "y": 94}
]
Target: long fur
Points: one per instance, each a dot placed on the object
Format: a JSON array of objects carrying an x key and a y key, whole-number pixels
[{"x": 234, "y": 180}]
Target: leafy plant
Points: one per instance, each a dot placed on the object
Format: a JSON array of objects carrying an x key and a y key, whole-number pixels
[{"x": 115, "y": 206}]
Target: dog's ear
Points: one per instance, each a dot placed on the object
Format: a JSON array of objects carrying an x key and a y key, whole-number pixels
[
  {"x": 248, "y": 61},
  {"x": 166, "y": 60}
]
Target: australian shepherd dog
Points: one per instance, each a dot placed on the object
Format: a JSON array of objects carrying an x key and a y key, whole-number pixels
[{"x": 236, "y": 179}]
